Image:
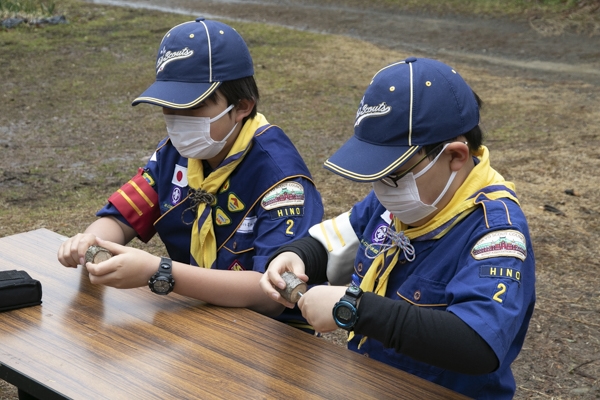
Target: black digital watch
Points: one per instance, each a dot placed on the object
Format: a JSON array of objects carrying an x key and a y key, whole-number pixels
[
  {"x": 162, "y": 281},
  {"x": 345, "y": 311}
]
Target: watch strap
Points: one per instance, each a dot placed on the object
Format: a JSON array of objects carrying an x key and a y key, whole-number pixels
[
  {"x": 353, "y": 294},
  {"x": 165, "y": 265}
]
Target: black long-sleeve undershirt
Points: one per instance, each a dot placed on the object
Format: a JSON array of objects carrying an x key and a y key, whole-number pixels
[{"x": 435, "y": 337}]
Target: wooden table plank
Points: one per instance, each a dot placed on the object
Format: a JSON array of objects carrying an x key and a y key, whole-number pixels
[{"x": 88, "y": 341}]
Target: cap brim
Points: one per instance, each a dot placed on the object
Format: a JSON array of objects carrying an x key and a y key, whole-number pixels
[
  {"x": 177, "y": 95},
  {"x": 364, "y": 162}
]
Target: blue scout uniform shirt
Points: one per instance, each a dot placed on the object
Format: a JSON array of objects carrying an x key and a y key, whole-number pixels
[
  {"x": 268, "y": 200},
  {"x": 480, "y": 270}
]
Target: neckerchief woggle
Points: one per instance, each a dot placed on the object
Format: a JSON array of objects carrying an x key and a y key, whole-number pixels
[
  {"x": 204, "y": 245},
  {"x": 462, "y": 204}
]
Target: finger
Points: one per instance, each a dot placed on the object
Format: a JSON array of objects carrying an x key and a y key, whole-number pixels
[
  {"x": 267, "y": 287},
  {"x": 113, "y": 247},
  {"x": 275, "y": 295},
  {"x": 274, "y": 276},
  {"x": 74, "y": 256},
  {"x": 65, "y": 255},
  {"x": 83, "y": 245},
  {"x": 103, "y": 268},
  {"x": 99, "y": 279}
]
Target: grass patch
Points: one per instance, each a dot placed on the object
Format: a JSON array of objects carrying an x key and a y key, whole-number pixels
[{"x": 27, "y": 9}]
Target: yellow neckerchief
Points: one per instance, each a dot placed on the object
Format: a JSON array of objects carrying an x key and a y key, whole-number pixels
[
  {"x": 462, "y": 204},
  {"x": 204, "y": 245}
]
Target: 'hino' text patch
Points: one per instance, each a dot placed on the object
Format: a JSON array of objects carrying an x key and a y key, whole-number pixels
[{"x": 492, "y": 271}]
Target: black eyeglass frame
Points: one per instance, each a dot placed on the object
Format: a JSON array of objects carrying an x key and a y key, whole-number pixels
[{"x": 391, "y": 180}]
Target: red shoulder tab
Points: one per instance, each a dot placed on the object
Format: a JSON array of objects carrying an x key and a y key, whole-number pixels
[{"x": 137, "y": 202}]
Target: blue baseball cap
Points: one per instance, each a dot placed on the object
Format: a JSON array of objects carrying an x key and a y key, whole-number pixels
[
  {"x": 193, "y": 59},
  {"x": 408, "y": 105}
]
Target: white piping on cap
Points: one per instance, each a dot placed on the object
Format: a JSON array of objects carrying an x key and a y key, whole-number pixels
[
  {"x": 410, "y": 115},
  {"x": 209, "y": 52}
]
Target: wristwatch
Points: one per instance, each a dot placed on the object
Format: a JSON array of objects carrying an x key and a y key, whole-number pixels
[
  {"x": 162, "y": 281},
  {"x": 344, "y": 311}
]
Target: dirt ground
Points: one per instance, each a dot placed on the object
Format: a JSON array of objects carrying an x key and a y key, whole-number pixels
[{"x": 552, "y": 69}]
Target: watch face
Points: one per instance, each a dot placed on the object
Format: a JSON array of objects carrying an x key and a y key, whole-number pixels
[
  {"x": 344, "y": 314},
  {"x": 161, "y": 285}
]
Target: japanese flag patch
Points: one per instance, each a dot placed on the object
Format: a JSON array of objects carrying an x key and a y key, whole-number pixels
[
  {"x": 180, "y": 176},
  {"x": 505, "y": 243}
]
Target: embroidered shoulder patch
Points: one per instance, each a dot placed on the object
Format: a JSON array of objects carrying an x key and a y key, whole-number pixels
[
  {"x": 506, "y": 243},
  {"x": 148, "y": 178},
  {"x": 284, "y": 194}
]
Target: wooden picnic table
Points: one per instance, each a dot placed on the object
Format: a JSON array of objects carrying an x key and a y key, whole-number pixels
[{"x": 94, "y": 342}]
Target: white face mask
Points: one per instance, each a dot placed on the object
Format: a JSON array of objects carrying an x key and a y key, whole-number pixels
[
  {"x": 191, "y": 135},
  {"x": 404, "y": 201}
]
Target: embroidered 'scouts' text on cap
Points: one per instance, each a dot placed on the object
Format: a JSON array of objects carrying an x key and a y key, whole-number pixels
[
  {"x": 408, "y": 105},
  {"x": 193, "y": 59}
]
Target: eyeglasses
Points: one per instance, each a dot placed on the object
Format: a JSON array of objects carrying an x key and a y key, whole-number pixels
[{"x": 392, "y": 179}]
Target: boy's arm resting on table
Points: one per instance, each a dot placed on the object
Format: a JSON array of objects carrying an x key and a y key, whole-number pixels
[
  {"x": 224, "y": 288},
  {"x": 436, "y": 337},
  {"x": 444, "y": 340},
  {"x": 130, "y": 267}
]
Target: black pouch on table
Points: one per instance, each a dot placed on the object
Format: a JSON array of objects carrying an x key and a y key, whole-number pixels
[{"x": 18, "y": 289}]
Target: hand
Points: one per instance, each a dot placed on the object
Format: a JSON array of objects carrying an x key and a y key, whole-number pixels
[
  {"x": 287, "y": 261},
  {"x": 317, "y": 306},
  {"x": 72, "y": 252},
  {"x": 128, "y": 268}
]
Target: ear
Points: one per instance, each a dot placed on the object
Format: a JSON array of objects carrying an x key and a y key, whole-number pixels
[
  {"x": 243, "y": 109},
  {"x": 459, "y": 155}
]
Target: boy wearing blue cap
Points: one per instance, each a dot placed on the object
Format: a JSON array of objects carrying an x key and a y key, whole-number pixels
[
  {"x": 434, "y": 269},
  {"x": 223, "y": 190}
]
